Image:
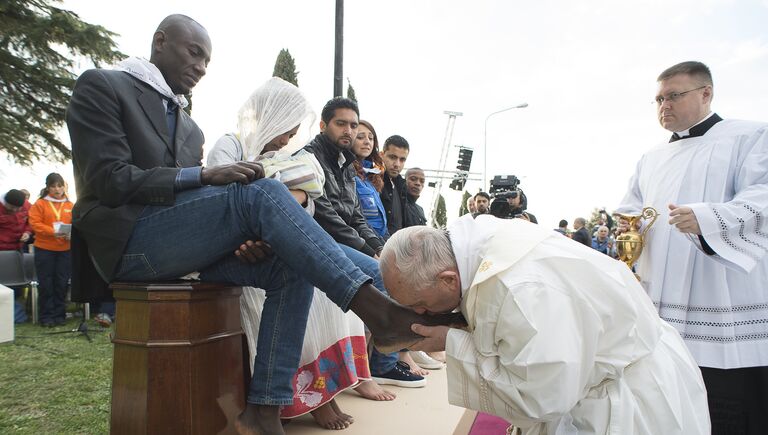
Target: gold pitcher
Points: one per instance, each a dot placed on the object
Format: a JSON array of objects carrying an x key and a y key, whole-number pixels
[{"x": 630, "y": 244}]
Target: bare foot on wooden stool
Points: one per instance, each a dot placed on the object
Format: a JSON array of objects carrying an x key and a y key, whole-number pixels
[
  {"x": 371, "y": 390},
  {"x": 259, "y": 420},
  {"x": 415, "y": 368},
  {"x": 327, "y": 418}
]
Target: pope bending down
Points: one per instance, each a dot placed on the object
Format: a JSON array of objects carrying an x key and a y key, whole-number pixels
[{"x": 561, "y": 339}]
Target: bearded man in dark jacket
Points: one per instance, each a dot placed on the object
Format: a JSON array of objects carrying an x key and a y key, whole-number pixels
[{"x": 338, "y": 210}]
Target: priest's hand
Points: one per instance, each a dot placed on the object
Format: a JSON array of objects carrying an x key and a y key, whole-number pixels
[
  {"x": 435, "y": 337},
  {"x": 253, "y": 252},
  {"x": 684, "y": 219}
]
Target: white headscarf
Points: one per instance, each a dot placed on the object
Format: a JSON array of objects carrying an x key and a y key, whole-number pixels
[{"x": 273, "y": 109}]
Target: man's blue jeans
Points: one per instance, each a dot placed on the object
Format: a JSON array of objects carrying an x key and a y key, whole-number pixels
[
  {"x": 380, "y": 363},
  {"x": 202, "y": 230}
]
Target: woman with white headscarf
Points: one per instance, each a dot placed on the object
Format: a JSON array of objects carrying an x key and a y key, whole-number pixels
[{"x": 334, "y": 355}]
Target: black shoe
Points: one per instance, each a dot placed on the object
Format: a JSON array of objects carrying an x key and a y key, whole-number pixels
[
  {"x": 401, "y": 376},
  {"x": 46, "y": 324},
  {"x": 59, "y": 323}
]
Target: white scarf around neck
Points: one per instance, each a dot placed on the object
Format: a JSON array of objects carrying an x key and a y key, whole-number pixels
[
  {"x": 148, "y": 73},
  {"x": 469, "y": 241}
]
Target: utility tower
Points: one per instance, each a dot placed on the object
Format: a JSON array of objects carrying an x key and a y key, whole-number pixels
[{"x": 444, "y": 156}]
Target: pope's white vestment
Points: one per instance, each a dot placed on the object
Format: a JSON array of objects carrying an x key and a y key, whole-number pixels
[
  {"x": 718, "y": 303},
  {"x": 563, "y": 339}
]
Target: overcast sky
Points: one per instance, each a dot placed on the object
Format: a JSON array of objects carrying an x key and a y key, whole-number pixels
[{"x": 586, "y": 69}]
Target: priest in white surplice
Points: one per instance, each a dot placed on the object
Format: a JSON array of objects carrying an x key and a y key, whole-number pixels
[
  {"x": 705, "y": 265},
  {"x": 561, "y": 338}
]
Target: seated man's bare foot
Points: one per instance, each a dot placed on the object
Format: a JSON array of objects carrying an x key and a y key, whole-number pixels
[
  {"x": 340, "y": 413},
  {"x": 415, "y": 368},
  {"x": 373, "y": 391},
  {"x": 390, "y": 322},
  {"x": 259, "y": 420},
  {"x": 327, "y": 418},
  {"x": 440, "y": 356},
  {"x": 397, "y": 337}
]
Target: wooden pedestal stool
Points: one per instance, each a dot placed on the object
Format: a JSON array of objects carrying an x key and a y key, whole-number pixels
[{"x": 178, "y": 358}]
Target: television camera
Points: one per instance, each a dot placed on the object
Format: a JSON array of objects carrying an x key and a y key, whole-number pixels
[{"x": 505, "y": 191}]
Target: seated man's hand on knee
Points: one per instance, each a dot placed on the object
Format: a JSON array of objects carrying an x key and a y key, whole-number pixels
[
  {"x": 240, "y": 172},
  {"x": 253, "y": 252}
]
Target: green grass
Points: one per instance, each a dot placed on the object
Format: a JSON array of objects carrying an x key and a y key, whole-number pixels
[{"x": 55, "y": 383}]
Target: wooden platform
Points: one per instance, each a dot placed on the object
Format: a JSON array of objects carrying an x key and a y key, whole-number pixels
[{"x": 419, "y": 411}]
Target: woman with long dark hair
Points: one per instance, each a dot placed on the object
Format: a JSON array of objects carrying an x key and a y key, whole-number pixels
[{"x": 369, "y": 181}]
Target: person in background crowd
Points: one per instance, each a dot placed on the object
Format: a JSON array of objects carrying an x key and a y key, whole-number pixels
[
  {"x": 369, "y": 181},
  {"x": 14, "y": 233},
  {"x": 519, "y": 206},
  {"x": 603, "y": 219},
  {"x": 482, "y": 203},
  {"x": 471, "y": 205},
  {"x": 562, "y": 227},
  {"x": 51, "y": 220},
  {"x": 414, "y": 183},
  {"x": 602, "y": 242},
  {"x": 580, "y": 233},
  {"x": 14, "y": 225},
  {"x": 393, "y": 194}
]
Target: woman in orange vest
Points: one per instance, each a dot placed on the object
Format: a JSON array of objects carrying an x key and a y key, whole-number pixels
[{"x": 51, "y": 220}]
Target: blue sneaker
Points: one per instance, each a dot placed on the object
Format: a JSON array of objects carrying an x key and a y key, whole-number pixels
[{"x": 401, "y": 376}]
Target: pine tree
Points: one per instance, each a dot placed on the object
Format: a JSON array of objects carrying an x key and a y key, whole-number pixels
[
  {"x": 440, "y": 219},
  {"x": 351, "y": 91},
  {"x": 463, "y": 209},
  {"x": 285, "y": 67},
  {"x": 39, "y": 47}
]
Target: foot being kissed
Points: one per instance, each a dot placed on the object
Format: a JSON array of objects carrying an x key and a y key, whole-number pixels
[{"x": 390, "y": 322}]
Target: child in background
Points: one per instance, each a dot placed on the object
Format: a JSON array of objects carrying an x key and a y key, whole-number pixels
[{"x": 51, "y": 220}]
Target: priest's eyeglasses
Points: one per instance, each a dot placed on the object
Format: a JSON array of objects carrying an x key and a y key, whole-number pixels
[{"x": 674, "y": 96}]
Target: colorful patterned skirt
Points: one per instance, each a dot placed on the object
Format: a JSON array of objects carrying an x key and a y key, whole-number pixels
[{"x": 333, "y": 357}]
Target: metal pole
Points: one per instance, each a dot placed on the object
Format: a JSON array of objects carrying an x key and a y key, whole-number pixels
[
  {"x": 485, "y": 142},
  {"x": 444, "y": 156},
  {"x": 338, "y": 61}
]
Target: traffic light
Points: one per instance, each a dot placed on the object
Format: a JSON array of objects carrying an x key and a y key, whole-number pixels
[
  {"x": 458, "y": 182},
  {"x": 465, "y": 159}
]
